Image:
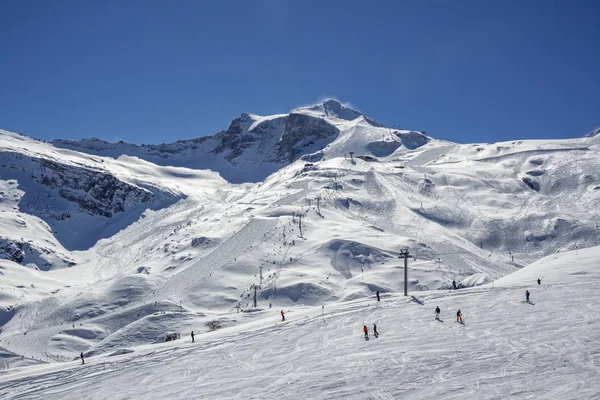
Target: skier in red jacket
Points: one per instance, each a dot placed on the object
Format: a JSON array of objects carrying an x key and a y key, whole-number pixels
[{"x": 366, "y": 330}]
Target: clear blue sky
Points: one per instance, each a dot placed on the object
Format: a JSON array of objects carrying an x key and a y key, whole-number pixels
[{"x": 157, "y": 71}]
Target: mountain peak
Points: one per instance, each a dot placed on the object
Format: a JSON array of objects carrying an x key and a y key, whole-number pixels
[
  {"x": 329, "y": 108},
  {"x": 332, "y": 108}
]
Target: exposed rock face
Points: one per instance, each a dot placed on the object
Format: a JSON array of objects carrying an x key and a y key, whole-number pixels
[
  {"x": 279, "y": 140},
  {"x": 236, "y": 138},
  {"x": 302, "y": 131},
  {"x": 413, "y": 139},
  {"x": 79, "y": 204},
  {"x": 94, "y": 192},
  {"x": 253, "y": 146},
  {"x": 593, "y": 133},
  {"x": 24, "y": 252},
  {"x": 10, "y": 250}
]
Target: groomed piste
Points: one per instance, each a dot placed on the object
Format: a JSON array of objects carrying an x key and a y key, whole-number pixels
[{"x": 506, "y": 348}]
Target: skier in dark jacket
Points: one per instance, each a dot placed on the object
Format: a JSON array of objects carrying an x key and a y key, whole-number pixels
[
  {"x": 527, "y": 296},
  {"x": 459, "y": 317},
  {"x": 192, "y": 336},
  {"x": 454, "y": 284},
  {"x": 375, "y": 330},
  {"x": 539, "y": 281},
  {"x": 437, "y": 313},
  {"x": 82, "y": 360},
  {"x": 282, "y": 316},
  {"x": 378, "y": 295}
]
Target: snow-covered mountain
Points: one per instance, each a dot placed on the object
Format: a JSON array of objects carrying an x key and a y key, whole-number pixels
[
  {"x": 253, "y": 147},
  {"x": 106, "y": 246}
]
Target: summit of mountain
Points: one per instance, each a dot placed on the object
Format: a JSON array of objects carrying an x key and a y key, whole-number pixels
[{"x": 254, "y": 146}]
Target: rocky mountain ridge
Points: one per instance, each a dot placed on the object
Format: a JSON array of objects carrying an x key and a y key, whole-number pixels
[{"x": 252, "y": 147}]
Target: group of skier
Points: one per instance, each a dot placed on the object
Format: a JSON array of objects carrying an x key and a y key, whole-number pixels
[
  {"x": 459, "y": 318},
  {"x": 366, "y": 331},
  {"x": 539, "y": 282},
  {"x": 458, "y": 315}
]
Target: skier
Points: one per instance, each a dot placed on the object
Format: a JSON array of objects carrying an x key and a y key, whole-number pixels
[
  {"x": 527, "y": 296},
  {"x": 282, "y": 316},
  {"x": 454, "y": 284},
  {"x": 366, "y": 330},
  {"x": 437, "y": 313},
  {"x": 192, "y": 336},
  {"x": 459, "y": 317},
  {"x": 375, "y": 330},
  {"x": 378, "y": 295},
  {"x": 539, "y": 281},
  {"x": 82, "y": 360}
]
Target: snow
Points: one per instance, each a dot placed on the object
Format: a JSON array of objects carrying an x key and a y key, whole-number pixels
[
  {"x": 575, "y": 266},
  {"x": 169, "y": 247},
  {"x": 506, "y": 349}
]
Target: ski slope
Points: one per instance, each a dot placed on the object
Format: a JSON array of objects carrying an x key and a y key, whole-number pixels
[{"x": 506, "y": 349}]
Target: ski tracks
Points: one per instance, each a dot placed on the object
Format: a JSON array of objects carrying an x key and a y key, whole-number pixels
[
  {"x": 506, "y": 351},
  {"x": 230, "y": 249}
]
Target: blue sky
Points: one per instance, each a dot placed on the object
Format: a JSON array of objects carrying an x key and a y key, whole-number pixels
[{"x": 157, "y": 71}]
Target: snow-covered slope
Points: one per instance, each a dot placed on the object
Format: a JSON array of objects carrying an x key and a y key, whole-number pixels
[
  {"x": 82, "y": 198},
  {"x": 109, "y": 247},
  {"x": 573, "y": 267},
  {"x": 506, "y": 349}
]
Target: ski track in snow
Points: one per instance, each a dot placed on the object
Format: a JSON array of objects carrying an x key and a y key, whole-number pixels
[
  {"x": 506, "y": 350},
  {"x": 417, "y": 163},
  {"x": 230, "y": 249}
]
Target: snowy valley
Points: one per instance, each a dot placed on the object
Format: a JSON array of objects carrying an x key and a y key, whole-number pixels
[{"x": 107, "y": 248}]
